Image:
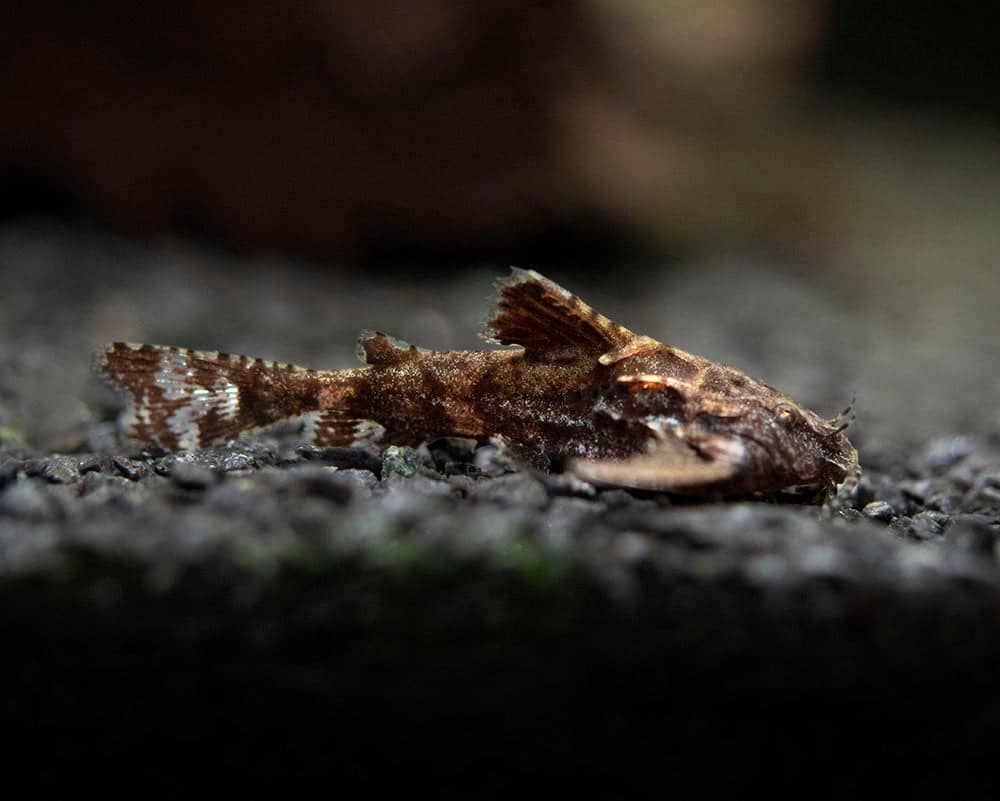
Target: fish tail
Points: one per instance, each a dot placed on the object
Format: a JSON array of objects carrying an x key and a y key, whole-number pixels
[{"x": 184, "y": 399}]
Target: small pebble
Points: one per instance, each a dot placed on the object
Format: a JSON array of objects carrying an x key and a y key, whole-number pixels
[
  {"x": 882, "y": 488},
  {"x": 131, "y": 469},
  {"x": 402, "y": 460},
  {"x": 879, "y": 510},
  {"x": 54, "y": 469},
  {"x": 93, "y": 463},
  {"x": 237, "y": 462}
]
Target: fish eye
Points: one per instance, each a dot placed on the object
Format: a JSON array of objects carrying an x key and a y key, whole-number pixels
[{"x": 785, "y": 415}]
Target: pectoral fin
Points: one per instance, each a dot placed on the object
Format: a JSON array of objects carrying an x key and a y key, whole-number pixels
[
  {"x": 668, "y": 465},
  {"x": 552, "y": 323}
]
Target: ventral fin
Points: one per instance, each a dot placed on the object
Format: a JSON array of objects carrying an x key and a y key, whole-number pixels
[
  {"x": 331, "y": 429},
  {"x": 521, "y": 454},
  {"x": 668, "y": 465},
  {"x": 550, "y": 322},
  {"x": 374, "y": 347}
]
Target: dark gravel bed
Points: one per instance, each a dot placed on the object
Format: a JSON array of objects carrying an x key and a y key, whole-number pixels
[
  {"x": 216, "y": 596},
  {"x": 281, "y": 612}
]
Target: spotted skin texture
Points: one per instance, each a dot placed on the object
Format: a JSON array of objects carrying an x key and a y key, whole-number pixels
[{"x": 581, "y": 394}]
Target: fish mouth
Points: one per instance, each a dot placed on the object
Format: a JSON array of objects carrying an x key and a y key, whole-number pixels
[
  {"x": 844, "y": 460},
  {"x": 838, "y": 452}
]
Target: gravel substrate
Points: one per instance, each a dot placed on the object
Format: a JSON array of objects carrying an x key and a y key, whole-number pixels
[{"x": 283, "y": 611}]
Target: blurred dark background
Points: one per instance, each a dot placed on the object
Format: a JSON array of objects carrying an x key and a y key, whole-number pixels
[
  {"x": 809, "y": 190},
  {"x": 920, "y": 54},
  {"x": 562, "y": 131}
]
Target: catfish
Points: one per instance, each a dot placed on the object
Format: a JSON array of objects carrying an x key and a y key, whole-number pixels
[{"x": 580, "y": 394}]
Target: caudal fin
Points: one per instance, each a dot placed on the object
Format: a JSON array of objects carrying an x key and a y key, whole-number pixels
[{"x": 183, "y": 399}]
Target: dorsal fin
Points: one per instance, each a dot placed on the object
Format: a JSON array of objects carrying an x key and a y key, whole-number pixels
[
  {"x": 549, "y": 321},
  {"x": 374, "y": 347}
]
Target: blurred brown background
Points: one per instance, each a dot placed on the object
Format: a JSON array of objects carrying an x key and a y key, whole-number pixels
[
  {"x": 337, "y": 129},
  {"x": 807, "y": 189}
]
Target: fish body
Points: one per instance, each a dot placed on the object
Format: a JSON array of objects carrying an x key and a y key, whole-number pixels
[{"x": 581, "y": 393}]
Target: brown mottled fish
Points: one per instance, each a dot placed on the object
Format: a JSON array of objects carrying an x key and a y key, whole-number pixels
[{"x": 581, "y": 393}]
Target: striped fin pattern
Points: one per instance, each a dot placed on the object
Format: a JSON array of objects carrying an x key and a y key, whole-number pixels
[
  {"x": 548, "y": 320},
  {"x": 332, "y": 429},
  {"x": 183, "y": 399}
]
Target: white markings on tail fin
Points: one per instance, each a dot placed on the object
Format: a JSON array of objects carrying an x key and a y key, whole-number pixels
[{"x": 182, "y": 399}]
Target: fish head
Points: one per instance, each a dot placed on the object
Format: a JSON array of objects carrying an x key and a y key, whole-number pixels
[
  {"x": 711, "y": 406},
  {"x": 810, "y": 449}
]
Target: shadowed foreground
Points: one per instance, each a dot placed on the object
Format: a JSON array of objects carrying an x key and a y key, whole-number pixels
[{"x": 281, "y": 612}]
